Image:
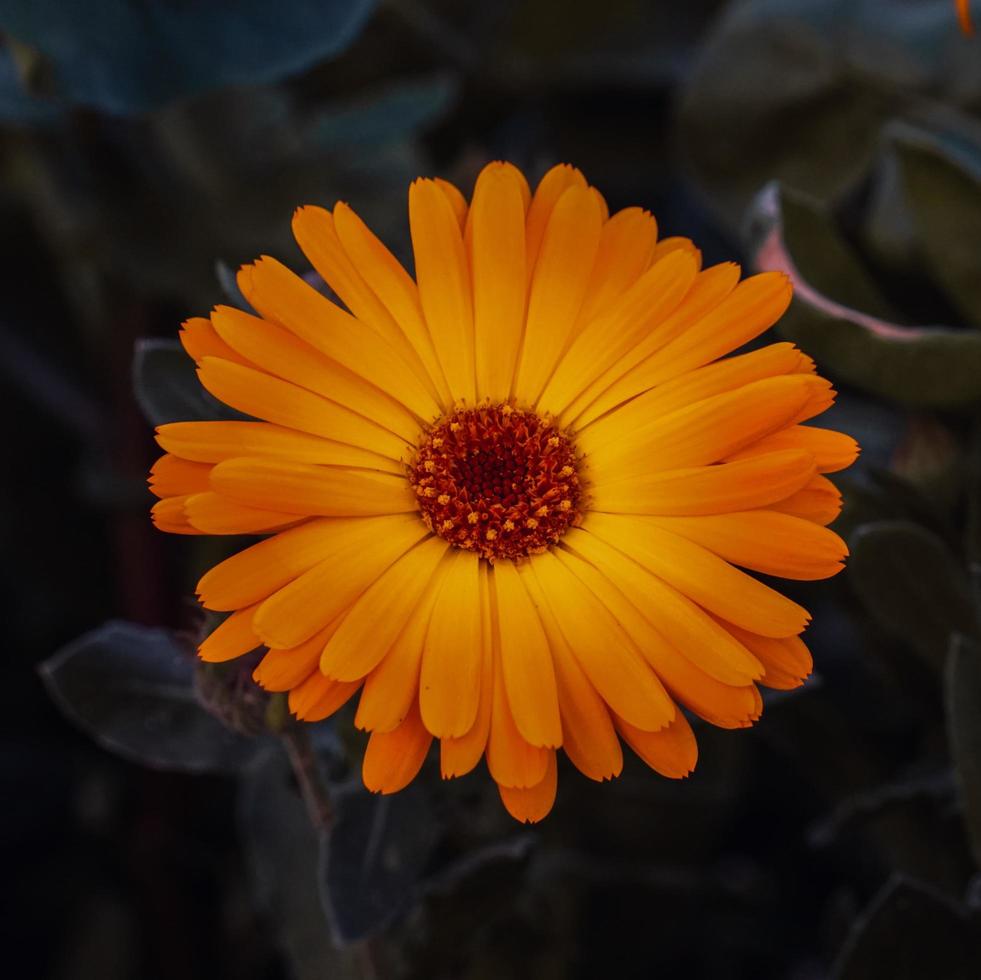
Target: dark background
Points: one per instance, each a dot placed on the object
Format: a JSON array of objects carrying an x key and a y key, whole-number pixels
[{"x": 147, "y": 145}]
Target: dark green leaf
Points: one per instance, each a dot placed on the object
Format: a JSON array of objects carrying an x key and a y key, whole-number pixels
[
  {"x": 397, "y": 111},
  {"x": 935, "y": 367},
  {"x": 374, "y": 858},
  {"x": 167, "y": 387},
  {"x": 282, "y": 846},
  {"x": 963, "y": 692},
  {"x": 909, "y": 932},
  {"x": 125, "y": 56},
  {"x": 911, "y": 584},
  {"x": 943, "y": 188},
  {"x": 132, "y": 689}
]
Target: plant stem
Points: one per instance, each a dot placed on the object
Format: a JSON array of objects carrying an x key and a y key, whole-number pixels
[{"x": 309, "y": 776}]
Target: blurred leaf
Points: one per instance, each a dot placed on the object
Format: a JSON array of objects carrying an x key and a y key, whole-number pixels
[
  {"x": 167, "y": 387},
  {"x": 282, "y": 846},
  {"x": 393, "y": 113},
  {"x": 374, "y": 858},
  {"x": 17, "y": 105},
  {"x": 911, "y": 584},
  {"x": 963, "y": 692},
  {"x": 909, "y": 932},
  {"x": 844, "y": 69},
  {"x": 132, "y": 689},
  {"x": 126, "y": 56},
  {"x": 935, "y": 367},
  {"x": 944, "y": 193}
]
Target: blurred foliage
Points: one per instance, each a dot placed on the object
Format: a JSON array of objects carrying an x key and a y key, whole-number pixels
[{"x": 149, "y": 147}]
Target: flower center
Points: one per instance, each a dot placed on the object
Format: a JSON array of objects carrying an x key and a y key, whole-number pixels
[{"x": 498, "y": 481}]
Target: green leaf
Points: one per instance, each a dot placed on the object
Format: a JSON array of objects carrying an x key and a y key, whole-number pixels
[
  {"x": 167, "y": 387},
  {"x": 125, "y": 56},
  {"x": 392, "y": 113},
  {"x": 943, "y": 188},
  {"x": 930, "y": 367},
  {"x": 963, "y": 696},
  {"x": 132, "y": 689},
  {"x": 912, "y": 585},
  {"x": 374, "y": 858},
  {"x": 909, "y": 932}
]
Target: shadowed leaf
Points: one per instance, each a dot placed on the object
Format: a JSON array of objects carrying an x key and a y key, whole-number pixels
[
  {"x": 126, "y": 56},
  {"x": 167, "y": 387},
  {"x": 132, "y": 689},
  {"x": 374, "y": 858},
  {"x": 963, "y": 693},
  {"x": 911, "y": 584},
  {"x": 936, "y": 367},
  {"x": 909, "y": 932}
]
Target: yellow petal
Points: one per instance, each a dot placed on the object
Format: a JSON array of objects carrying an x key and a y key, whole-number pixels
[
  {"x": 171, "y": 476},
  {"x": 628, "y": 377},
  {"x": 318, "y": 697},
  {"x": 449, "y": 686},
  {"x": 511, "y": 760},
  {"x": 672, "y": 751},
  {"x": 308, "y": 489},
  {"x": 213, "y": 442},
  {"x": 716, "y": 489},
  {"x": 393, "y": 685},
  {"x": 764, "y": 541},
  {"x": 215, "y": 514},
  {"x": 706, "y": 432},
  {"x": 529, "y": 675},
  {"x": 788, "y": 662},
  {"x": 499, "y": 277},
  {"x": 394, "y": 288},
  {"x": 281, "y": 670},
  {"x": 683, "y": 624},
  {"x": 819, "y": 500},
  {"x": 357, "y": 554},
  {"x": 682, "y": 669},
  {"x": 459, "y": 755},
  {"x": 284, "y": 298},
  {"x": 393, "y": 759},
  {"x": 315, "y": 233},
  {"x": 260, "y": 570},
  {"x": 260, "y": 394},
  {"x": 378, "y": 617},
  {"x": 701, "y": 575},
  {"x": 557, "y": 289},
  {"x": 650, "y": 300},
  {"x": 625, "y": 249},
  {"x": 533, "y": 803},
  {"x": 551, "y": 187},
  {"x": 233, "y": 638},
  {"x": 832, "y": 451},
  {"x": 588, "y": 736},
  {"x": 604, "y": 652},
  {"x": 200, "y": 339},
  {"x": 444, "y": 284},
  {"x": 282, "y": 354}
]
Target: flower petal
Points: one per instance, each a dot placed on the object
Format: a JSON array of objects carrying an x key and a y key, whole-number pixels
[
  {"x": 393, "y": 759},
  {"x": 531, "y": 804}
]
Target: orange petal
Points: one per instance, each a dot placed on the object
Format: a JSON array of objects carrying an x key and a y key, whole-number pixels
[
  {"x": 173, "y": 477},
  {"x": 393, "y": 759},
  {"x": 449, "y": 687},
  {"x": 200, "y": 340},
  {"x": 672, "y": 751},
  {"x": 215, "y": 514},
  {"x": 526, "y": 661},
  {"x": 280, "y": 670},
  {"x": 551, "y": 187},
  {"x": 499, "y": 277},
  {"x": 819, "y": 500},
  {"x": 318, "y": 697},
  {"x": 832, "y": 451},
  {"x": 444, "y": 284},
  {"x": 233, "y": 638},
  {"x": 535, "y": 802}
]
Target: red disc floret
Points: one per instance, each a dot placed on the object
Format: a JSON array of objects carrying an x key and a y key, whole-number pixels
[{"x": 498, "y": 481}]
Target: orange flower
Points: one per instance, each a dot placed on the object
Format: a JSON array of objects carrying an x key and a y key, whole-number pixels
[
  {"x": 964, "y": 16},
  {"x": 507, "y": 501}
]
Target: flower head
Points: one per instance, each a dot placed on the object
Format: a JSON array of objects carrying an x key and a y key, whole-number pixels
[{"x": 509, "y": 503}]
